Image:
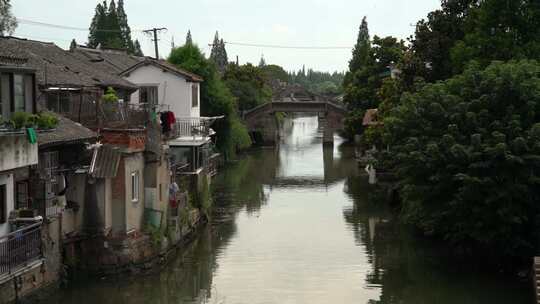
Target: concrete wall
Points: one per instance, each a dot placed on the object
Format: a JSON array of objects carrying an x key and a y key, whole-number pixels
[
  {"x": 7, "y": 179},
  {"x": 173, "y": 90},
  {"x": 134, "y": 210},
  {"x": 16, "y": 151}
]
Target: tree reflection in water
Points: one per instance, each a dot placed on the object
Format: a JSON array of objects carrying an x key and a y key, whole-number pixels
[{"x": 411, "y": 270}]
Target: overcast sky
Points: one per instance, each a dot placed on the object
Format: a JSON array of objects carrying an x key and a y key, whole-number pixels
[{"x": 325, "y": 23}]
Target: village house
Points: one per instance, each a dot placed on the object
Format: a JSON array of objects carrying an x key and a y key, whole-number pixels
[
  {"x": 167, "y": 88},
  {"x": 29, "y": 243},
  {"x": 174, "y": 92}
]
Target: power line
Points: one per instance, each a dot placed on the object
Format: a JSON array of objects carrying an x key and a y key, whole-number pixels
[
  {"x": 155, "y": 31},
  {"x": 274, "y": 46},
  {"x": 64, "y": 27}
]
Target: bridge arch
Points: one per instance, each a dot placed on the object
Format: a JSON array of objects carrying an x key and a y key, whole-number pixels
[{"x": 262, "y": 119}]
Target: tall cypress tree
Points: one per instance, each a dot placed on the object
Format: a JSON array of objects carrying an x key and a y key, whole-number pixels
[
  {"x": 137, "y": 51},
  {"x": 109, "y": 28},
  {"x": 114, "y": 36},
  {"x": 96, "y": 35},
  {"x": 218, "y": 54},
  {"x": 362, "y": 49},
  {"x": 125, "y": 30},
  {"x": 189, "y": 40}
]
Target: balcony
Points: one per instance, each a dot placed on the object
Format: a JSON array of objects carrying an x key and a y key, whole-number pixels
[
  {"x": 192, "y": 128},
  {"x": 20, "y": 248},
  {"x": 98, "y": 114}
]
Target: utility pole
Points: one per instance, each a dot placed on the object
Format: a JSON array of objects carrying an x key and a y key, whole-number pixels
[{"x": 155, "y": 31}]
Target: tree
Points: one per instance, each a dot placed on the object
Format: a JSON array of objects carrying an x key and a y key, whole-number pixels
[
  {"x": 109, "y": 28},
  {"x": 137, "y": 51},
  {"x": 247, "y": 83},
  {"x": 368, "y": 67},
  {"x": 262, "y": 62},
  {"x": 467, "y": 155},
  {"x": 216, "y": 98},
  {"x": 73, "y": 45},
  {"x": 189, "y": 40},
  {"x": 125, "y": 30},
  {"x": 8, "y": 22},
  {"x": 275, "y": 72},
  {"x": 362, "y": 49},
  {"x": 218, "y": 54},
  {"x": 499, "y": 30}
]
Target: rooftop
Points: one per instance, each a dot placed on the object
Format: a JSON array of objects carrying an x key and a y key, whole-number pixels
[
  {"x": 57, "y": 67},
  {"x": 67, "y": 131}
]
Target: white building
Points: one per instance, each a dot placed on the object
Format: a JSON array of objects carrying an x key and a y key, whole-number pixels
[{"x": 162, "y": 83}]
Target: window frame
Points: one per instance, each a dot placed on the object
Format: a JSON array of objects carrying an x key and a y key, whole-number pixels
[
  {"x": 135, "y": 189},
  {"x": 195, "y": 95},
  {"x": 23, "y": 93},
  {"x": 3, "y": 203},
  {"x": 22, "y": 197},
  {"x": 148, "y": 89}
]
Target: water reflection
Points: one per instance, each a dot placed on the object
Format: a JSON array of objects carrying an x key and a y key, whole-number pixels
[{"x": 297, "y": 224}]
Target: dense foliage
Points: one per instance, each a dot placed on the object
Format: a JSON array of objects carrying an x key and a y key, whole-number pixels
[
  {"x": 322, "y": 83},
  {"x": 461, "y": 122},
  {"x": 467, "y": 152},
  {"x": 110, "y": 29},
  {"x": 368, "y": 68},
  {"x": 216, "y": 98},
  {"x": 247, "y": 83},
  {"x": 218, "y": 54}
]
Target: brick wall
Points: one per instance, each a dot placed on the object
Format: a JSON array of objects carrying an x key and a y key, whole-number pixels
[{"x": 133, "y": 140}]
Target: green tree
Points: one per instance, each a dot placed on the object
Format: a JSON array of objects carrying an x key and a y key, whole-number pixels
[
  {"x": 8, "y": 22},
  {"x": 189, "y": 40},
  {"x": 109, "y": 28},
  {"x": 125, "y": 30},
  {"x": 368, "y": 68},
  {"x": 137, "y": 51},
  {"x": 275, "y": 72},
  {"x": 218, "y": 54},
  {"x": 467, "y": 154},
  {"x": 216, "y": 99},
  {"x": 499, "y": 30},
  {"x": 247, "y": 83}
]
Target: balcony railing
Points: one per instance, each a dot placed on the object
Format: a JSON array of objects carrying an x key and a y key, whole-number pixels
[
  {"x": 190, "y": 127},
  {"x": 20, "y": 248},
  {"x": 113, "y": 115}
]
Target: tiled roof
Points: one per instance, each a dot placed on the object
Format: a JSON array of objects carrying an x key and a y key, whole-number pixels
[
  {"x": 57, "y": 67},
  {"x": 67, "y": 131},
  {"x": 120, "y": 62},
  {"x": 166, "y": 66},
  {"x": 107, "y": 60}
]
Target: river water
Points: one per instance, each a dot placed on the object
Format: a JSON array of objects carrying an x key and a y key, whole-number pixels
[{"x": 299, "y": 224}]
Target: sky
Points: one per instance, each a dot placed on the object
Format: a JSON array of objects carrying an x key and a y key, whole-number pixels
[{"x": 328, "y": 23}]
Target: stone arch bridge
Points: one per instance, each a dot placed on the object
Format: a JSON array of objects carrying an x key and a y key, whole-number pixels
[{"x": 262, "y": 119}]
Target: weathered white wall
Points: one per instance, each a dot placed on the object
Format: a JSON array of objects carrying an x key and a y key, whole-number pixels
[
  {"x": 16, "y": 151},
  {"x": 7, "y": 179},
  {"x": 173, "y": 90},
  {"x": 134, "y": 210}
]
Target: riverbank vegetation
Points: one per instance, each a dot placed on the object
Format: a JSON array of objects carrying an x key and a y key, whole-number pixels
[{"x": 460, "y": 121}]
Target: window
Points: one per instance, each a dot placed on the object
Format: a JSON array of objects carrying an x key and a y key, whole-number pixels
[
  {"x": 22, "y": 195},
  {"x": 194, "y": 95},
  {"x": 59, "y": 102},
  {"x": 18, "y": 93},
  {"x": 148, "y": 95},
  {"x": 135, "y": 186},
  {"x": 3, "y": 204}
]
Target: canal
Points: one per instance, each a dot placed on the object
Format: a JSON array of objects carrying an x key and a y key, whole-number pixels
[{"x": 299, "y": 224}]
